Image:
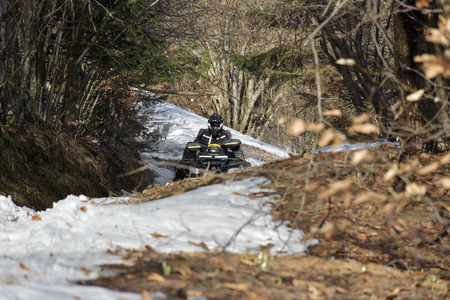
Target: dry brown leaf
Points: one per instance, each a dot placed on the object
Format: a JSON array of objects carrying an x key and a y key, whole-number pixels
[
  {"x": 391, "y": 173},
  {"x": 86, "y": 271},
  {"x": 445, "y": 159},
  {"x": 23, "y": 266},
  {"x": 181, "y": 267},
  {"x": 363, "y": 128},
  {"x": 221, "y": 263},
  {"x": 155, "y": 277},
  {"x": 239, "y": 194},
  {"x": 254, "y": 196},
  {"x": 334, "y": 188},
  {"x": 253, "y": 296},
  {"x": 317, "y": 290},
  {"x": 333, "y": 113},
  {"x": 297, "y": 127},
  {"x": 347, "y": 196},
  {"x": 416, "y": 96},
  {"x": 316, "y": 127},
  {"x": 434, "y": 65},
  {"x": 422, "y": 3},
  {"x": 444, "y": 24},
  {"x": 313, "y": 230},
  {"x": 83, "y": 208},
  {"x": 36, "y": 217},
  {"x": 331, "y": 137},
  {"x": 366, "y": 196},
  {"x": 434, "y": 35},
  {"x": 339, "y": 138},
  {"x": 312, "y": 186},
  {"x": 157, "y": 235},
  {"x": 346, "y": 62},
  {"x": 362, "y": 118},
  {"x": 428, "y": 169},
  {"x": 326, "y": 138},
  {"x": 128, "y": 263},
  {"x": 445, "y": 182},
  {"x": 344, "y": 224},
  {"x": 408, "y": 166},
  {"x": 362, "y": 155},
  {"x": 202, "y": 245},
  {"x": 247, "y": 262},
  {"x": 388, "y": 208},
  {"x": 327, "y": 230},
  {"x": 242, "y": 287},
  {"x": 281, "y": 121},
  {"x": 416, "y": 189}
]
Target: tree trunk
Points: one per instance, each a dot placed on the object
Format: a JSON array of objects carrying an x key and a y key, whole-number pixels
[{"x": 410, "y": 42}]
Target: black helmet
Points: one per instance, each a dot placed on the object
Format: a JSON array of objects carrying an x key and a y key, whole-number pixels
[{"x": 215, "y": 124}]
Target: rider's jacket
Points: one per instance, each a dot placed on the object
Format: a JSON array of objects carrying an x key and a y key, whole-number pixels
[{"x": 204, "y": 137}]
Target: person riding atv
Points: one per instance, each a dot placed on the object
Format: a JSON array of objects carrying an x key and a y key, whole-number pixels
[{"x": 214, "y": 149}]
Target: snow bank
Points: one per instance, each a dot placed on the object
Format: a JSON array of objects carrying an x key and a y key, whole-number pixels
[{"x": 42, "y": 253}]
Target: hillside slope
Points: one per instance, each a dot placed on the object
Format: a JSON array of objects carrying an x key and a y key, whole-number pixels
[
  {"x": 383, "y": 223},
  {"x": 40, "y": 166}
]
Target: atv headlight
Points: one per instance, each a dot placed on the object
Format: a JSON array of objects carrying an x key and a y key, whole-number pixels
[{"x": 194, "y": 171}]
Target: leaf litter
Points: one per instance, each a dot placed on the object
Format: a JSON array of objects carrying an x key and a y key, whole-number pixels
[{"x": 383, "y": 225}]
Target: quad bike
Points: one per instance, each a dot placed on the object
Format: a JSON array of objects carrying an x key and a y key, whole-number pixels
[{"x": 199, "y": 159}]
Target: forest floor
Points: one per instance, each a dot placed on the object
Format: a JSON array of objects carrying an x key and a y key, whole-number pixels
[{"x": 382, "y": 218}]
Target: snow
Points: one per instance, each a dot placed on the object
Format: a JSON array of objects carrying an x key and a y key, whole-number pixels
[
  {"x": 179, "y": 126},
  {"x": 43, "y": 254},
  {"x": 343, "y": 147}
]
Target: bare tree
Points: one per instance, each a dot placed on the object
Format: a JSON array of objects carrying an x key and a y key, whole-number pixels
[
  {"x": 252, "y": 62},
  {"x": 58, "y": 58},
  {"x": 373, "y": 44}
]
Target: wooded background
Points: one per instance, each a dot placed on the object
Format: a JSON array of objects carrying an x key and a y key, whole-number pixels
[{"x": 69, "y": 65}]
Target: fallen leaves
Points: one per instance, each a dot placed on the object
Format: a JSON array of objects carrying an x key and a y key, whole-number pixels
[
  {"x": 422, "y": 3},
  {"x": 334, "y": 188},
  {"x": 416, "y": 96},
  {"x": 367, "y": 196},
  {"x": 428, "y": 169},
  {"x": 316, "y": 127},
  {"x": 201, "y": 245},
  {"x": 363, "y": 128},
  {"x": 346, "y": 62},
  {"x": 290, "y": 276},
  {"x": 333, "y": 113},
  {"x": 34, "y": 217},
  {"x": 86, "y": 271},
  {"x": 158, "y": 236},
  {"x": 362, "y": 155},
  {"x": 155, "y": 277},
  {"x": 379, "y": 227},
  {"x": 333, "y": 137},
  {"x": 434, "y": 65},
  {"x": 24, "y": 267},
  {"x": 444, "y": 182},
  {"x": 296, "y": 128},
  {"x": 242, "y": 287},
  {"x": 414, "y": 189}
]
